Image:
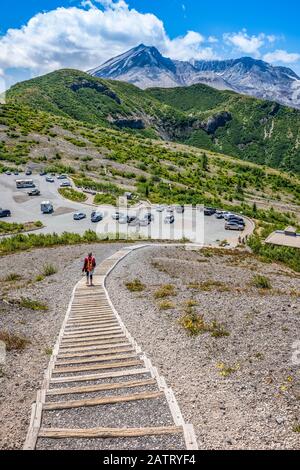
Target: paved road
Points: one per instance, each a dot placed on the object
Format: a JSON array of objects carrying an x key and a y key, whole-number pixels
[{"x": 192, "y": 225}]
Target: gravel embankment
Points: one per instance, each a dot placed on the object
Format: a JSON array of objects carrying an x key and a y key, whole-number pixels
[
  {"x": 22, "y": 374},
  {"x": 240, "y": 391}
]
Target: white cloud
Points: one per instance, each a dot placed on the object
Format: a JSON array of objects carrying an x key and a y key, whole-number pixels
[
  {"x": 282, "y": 56},
  {"x": 84, "y": 37},
  {"x": 245, "y": 43}
]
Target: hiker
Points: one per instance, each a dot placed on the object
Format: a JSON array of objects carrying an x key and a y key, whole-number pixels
[{"x": 88, "y": 268}]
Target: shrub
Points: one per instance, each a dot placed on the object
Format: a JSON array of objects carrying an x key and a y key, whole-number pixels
[
  {"x": 166, "y": 305},
  {"x": 135, "y": 286},
  {"x": 72, "y": 194},
  {"x": 12, "y": 277},
  {"x": 31, "y": 304},
  {"x": 166, "y": 290},
  {"x": 261, "y": 282},
  {"x": 49, "y": 270}
]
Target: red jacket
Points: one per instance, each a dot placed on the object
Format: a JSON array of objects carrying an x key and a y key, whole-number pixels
[{"x": 89, "y": 264}]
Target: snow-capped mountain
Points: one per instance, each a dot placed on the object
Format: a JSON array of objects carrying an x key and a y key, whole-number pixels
[{"x": 145, "y": 67}]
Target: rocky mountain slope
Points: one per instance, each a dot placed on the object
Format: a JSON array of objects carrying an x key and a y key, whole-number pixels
[
  {"x": 259, "y": 131},
  {"x": 145, "y": 67}
]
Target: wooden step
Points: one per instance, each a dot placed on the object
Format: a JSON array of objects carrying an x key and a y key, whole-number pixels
[
  {"x": 95, "y": 350},
  {"x": 105, "y": 433},
  {"x": 99, "y": 358},
  {"x": 92, "y": 333},
  {"x": 101, "y": 387},
  {"x": 111, "y": 365},
  {"x": 105, "y": 375},
  {"x": 111, "y": 340},
  {"x": 110, "y": 400},
  {"x": 86, "y": 326}
]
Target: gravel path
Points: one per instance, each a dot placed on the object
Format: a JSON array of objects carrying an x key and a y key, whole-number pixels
[
  {"x": 22, "y": 374},
  {"x": 240, "y": 391}
]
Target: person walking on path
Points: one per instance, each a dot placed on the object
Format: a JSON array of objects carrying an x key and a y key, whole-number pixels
[{"x": 89, "y": 268}]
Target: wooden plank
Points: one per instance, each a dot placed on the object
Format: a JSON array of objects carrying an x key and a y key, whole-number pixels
[
  {"x": 81, "y": 320},
  {"x": 110, "y": 400},
  {"x": 94, "y": 342},
  {"x": 84, "y": 326},
  {"x": 103, "y": 433},
  {"x": 105, "y": 375},
  {"x": 111, "y": 365},
  {"x": 107, "y": 339},
  {"x": 89, "y": 360},
  {"x": 92, "y": 333},
  {"x": 101, "y": 387},
  {"x": 96, "y": 350}
]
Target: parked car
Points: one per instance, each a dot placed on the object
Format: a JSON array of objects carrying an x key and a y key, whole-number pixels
[
  {"x": 236, "y": 218},
  {"x": 148, "y": 216},
  {"x": 170, "y": 210},
  {"x": 219, "y": 215},
  {"x": 116, "y": 215},
  {"x": 62, "y": 177},
  {"x": 65, "y": 184},
  {"x": 47, "y": 207},
  {"x": 28, "y": 172},
  {"x": 79, "y": 216},
  {"x": 131, "y": 218},
  {"x": 160, "y": 209},
  {"x": 234, "y": 226},
  {"x": 145, "y": 222},
  {"x": 43, "y": 173},
  {"x": 34, "y": 192},
  {"x": 8, "y": 173},
  {"x": 169, "y": 219},
  {"x": 49, "y": 179},
  {"x": 16, "y": 173},
  {"x": 209, "y": 211},
  {"x": 97, "y": 217},
  {"x": 123, "y": 219},
  {"x": 5, "y": 213},
  {"x": 134, "y": 222},
  {"x": 180, "y": 209}
]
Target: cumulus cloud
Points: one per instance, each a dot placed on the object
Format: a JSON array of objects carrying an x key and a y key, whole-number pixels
[
  {"x": 86, "y": 36},
  {"x": 245, "y": 43},
  {"x": 281, "y": 56}
]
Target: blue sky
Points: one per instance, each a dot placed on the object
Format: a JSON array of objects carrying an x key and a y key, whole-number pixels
[{"x": 41, "y": 36}]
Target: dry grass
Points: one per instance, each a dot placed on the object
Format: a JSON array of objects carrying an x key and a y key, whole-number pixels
[
  {"x": 166, "y": 305},
  {"x": 135, "y": 286},
  {"x": 12, "y": 277},
  {"x": 195, "y": 325},
  {"x": 261, "y": 282},
  {"x": 166, "y": 290},
  {"x": 209, "y": 286},
  {"x": 13, "y": 342}
]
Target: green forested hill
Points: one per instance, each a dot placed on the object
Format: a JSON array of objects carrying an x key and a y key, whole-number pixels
[{"x": 254, "y": 130}]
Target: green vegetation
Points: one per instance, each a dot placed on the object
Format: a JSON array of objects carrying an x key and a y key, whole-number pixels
[
  {"x": 26, "y": 242},
  {"x": 7, "y": 228},
  {"x": 196, "y": 325},
  {"x": 166, "y": 305},
  {"x": 30, "y": 304},
  {"x": 12, "y": 277},
  {"x": 288, "y": 256},
  {"x": 261, "y": 282},
  {"x": 105, "y": 199},
  {"x": 135, "y": 286},
  {"x": 164, "y": 291},
  {"x": 49, "y": 270},
  {"x": 254, "y": 130},
  {"x": 13, "y": 342},
  {"x": 72, "y": 194}
]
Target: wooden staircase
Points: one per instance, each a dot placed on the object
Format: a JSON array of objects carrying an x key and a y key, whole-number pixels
[{"x": 100, "y": 390}]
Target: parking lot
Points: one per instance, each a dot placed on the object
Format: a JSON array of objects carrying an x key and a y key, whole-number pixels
[{"x": 192, "y": 225}]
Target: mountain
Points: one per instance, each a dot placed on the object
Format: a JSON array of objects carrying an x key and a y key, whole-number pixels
[
  {"x": 258, "y": 131},
  {"x": 145, "y": 67}
]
